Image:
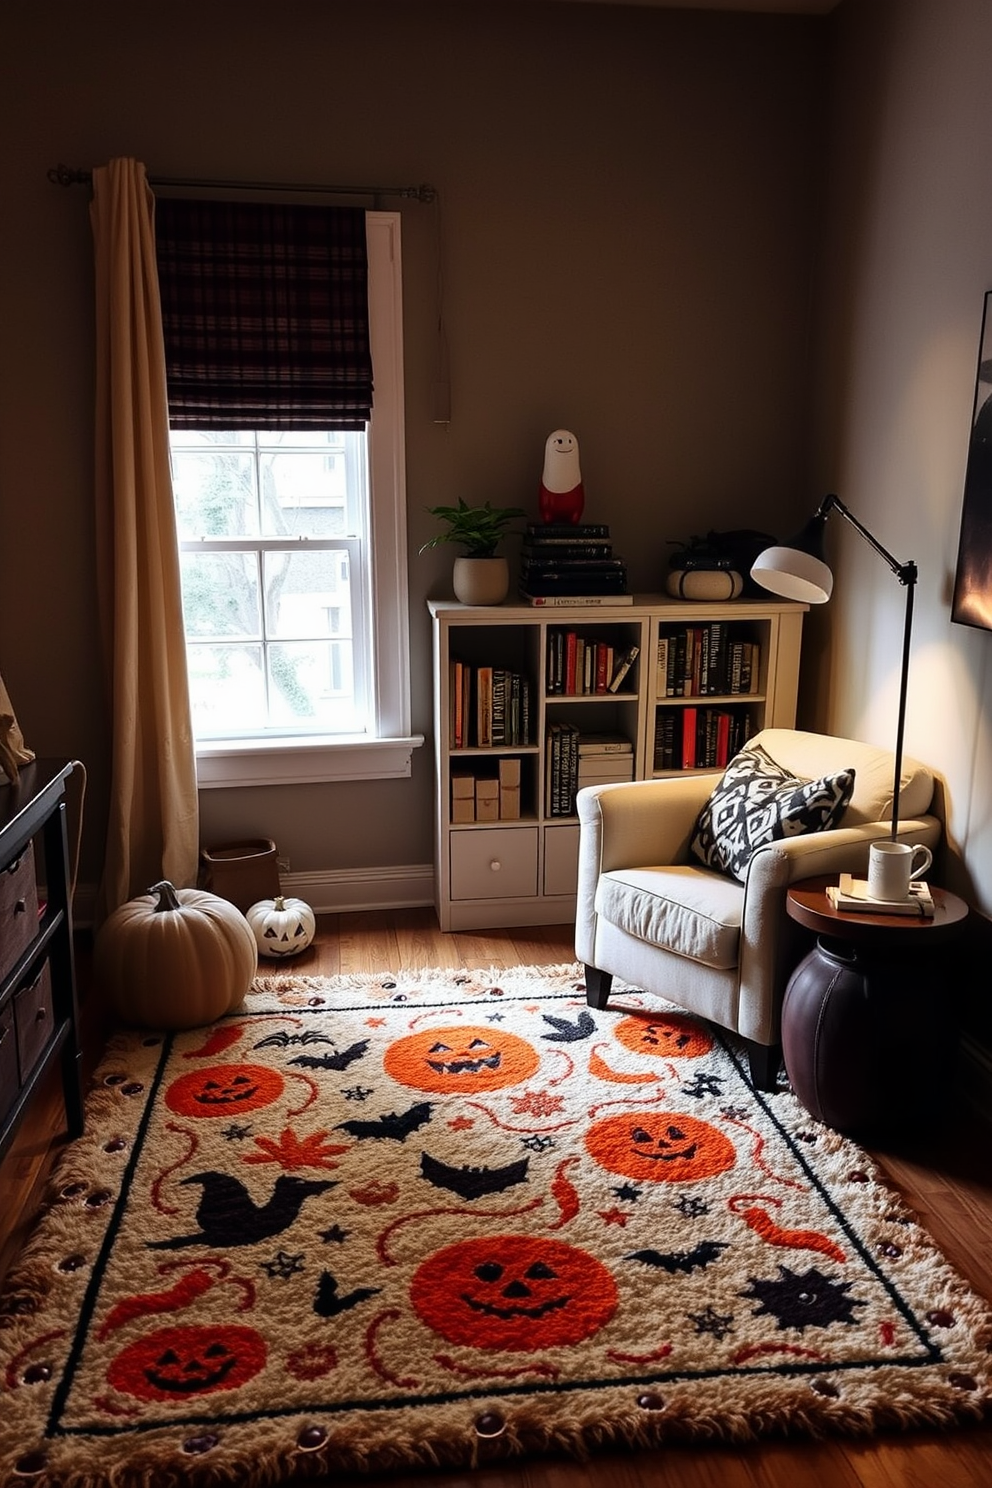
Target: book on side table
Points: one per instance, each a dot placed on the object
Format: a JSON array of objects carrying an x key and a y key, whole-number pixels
[{"x": 851, "y": 893}]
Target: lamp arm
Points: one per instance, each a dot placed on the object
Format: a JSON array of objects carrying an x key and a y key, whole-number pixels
[{"x": 907, "y": 574}]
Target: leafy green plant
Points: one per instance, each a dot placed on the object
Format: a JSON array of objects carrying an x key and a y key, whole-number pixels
[{"x": 478, "y": 529}]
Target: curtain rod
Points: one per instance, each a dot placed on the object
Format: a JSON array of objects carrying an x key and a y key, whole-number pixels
[{"x": 64, "y": 175}]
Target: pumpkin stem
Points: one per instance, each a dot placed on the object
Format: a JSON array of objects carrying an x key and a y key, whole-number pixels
[
  {"x": 279, "y": 902},
  {"x": 167, "y": 896}
]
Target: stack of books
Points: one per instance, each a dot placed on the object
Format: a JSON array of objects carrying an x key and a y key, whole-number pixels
[
  {"x": 570, "y": 563},
  {"x": 604, "y": 759},
  {"x": 851, "y": 893}
]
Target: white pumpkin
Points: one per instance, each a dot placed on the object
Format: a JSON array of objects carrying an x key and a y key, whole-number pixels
[
  {"x": 175, "y": 958},
  {"x": 282, "y": 926}
]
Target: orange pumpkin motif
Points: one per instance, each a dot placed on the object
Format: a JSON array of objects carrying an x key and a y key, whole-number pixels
[
  {"x": 176, "y": 1364},
  {"x": 660, "y": 1147},
  {"x": 672, "y": 1036},
  {"x": 461, "y": 1060},
  {"x": 224, "y": 1090},
  {"x": 520, "y": 1292}
]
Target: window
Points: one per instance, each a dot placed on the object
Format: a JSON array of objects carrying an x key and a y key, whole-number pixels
[{"x": 293, "y": 552}]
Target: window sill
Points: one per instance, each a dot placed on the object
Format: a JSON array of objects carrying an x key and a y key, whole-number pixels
[{"x": 231, "y": 762}]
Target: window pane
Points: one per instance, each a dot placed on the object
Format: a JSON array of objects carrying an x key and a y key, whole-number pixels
[
  {"x": 227, "y": 689},
  {"x": 215, "y": 494},
  {"x": 304, "y": 493},
  {"x": 221, "y": 594},
  {"x": 311, "y": 686},
  {"x": 307, "y": 594}
]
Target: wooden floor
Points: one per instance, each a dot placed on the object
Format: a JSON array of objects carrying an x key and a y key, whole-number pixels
[{"x": 947, "y": 1180}]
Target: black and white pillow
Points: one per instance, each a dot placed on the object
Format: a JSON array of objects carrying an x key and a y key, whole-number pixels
[{"x": 758, "y": 801}]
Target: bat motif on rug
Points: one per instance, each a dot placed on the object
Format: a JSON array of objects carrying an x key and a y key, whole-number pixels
[
  {"x": 473, "y": 1183},
  {"x": 397, "y": 1126},
  {"x": 228, "y": 1215},
  {"x": 685, "y": 1261},
  {"x": 339, "y": 1061}
]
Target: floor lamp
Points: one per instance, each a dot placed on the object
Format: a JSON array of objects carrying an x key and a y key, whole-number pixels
[{"x": 797, "y": 570}]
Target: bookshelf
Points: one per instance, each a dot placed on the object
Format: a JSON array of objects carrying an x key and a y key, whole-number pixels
[{"x": 532, "y": 703}]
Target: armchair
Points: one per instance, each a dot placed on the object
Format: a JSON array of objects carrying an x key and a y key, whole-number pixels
[{"x": 651, "y": 913}]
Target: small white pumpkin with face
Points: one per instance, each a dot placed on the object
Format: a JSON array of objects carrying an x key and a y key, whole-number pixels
[{"x": 282, "y": 926}]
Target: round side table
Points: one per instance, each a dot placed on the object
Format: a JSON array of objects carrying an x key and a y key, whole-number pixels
[{"x": 868, "y": 1027}]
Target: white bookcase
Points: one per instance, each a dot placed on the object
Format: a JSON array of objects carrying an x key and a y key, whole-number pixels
[{"x": 520, "y": 868}]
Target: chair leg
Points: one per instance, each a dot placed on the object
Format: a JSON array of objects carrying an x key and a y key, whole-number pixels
[
  {"x": 763, "y": 1060},
  {"x": 598, "y": 986}
]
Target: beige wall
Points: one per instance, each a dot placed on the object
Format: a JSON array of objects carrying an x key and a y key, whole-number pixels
[
  {"x": 907, "y": 262},
  {"x": 626, "y": 217}
]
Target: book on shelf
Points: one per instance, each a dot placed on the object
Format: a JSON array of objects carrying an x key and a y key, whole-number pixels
[
  {"x": 851, "y": 893},
  {"x": 484, "y": 707},
  {"x": 605, "y": 743},
  {"x": 572, "y": 601},
  {"x": 572, "y": 531},
  {"x": 621, "y": 667}
]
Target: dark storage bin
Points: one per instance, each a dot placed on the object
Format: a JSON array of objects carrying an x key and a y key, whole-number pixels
[
  {"x": 18, "y": 908},
  {"x": 243, "y": 872},
  {"x": 34, "y": 1018}
]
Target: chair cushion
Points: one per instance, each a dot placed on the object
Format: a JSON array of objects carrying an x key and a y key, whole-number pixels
[
  {"x": 686, "y": 910},
  {"x": 758, "y": 801}
]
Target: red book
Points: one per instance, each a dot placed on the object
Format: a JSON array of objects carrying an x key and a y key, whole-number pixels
[
  {"x": 722, "y": 739},
  {"x": 570, "y": 649},
  {"x": 688, "y": 738}
]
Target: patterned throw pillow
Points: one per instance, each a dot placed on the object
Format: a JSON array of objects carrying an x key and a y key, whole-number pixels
[{"x": 757, "y": 802}]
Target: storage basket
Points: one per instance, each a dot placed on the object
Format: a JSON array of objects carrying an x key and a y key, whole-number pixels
[{"x": 243, "y": 872}]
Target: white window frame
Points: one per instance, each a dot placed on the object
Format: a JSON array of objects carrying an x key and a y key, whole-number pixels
[{"x": 385, "y": 752}]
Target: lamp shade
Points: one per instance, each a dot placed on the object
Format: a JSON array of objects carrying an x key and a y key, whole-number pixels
[
  {"x": 793, "y": 574},
  {"x": 796, "y": 569}
]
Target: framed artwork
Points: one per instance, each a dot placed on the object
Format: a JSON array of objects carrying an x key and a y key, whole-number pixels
[{"x": 972, "y": 602}]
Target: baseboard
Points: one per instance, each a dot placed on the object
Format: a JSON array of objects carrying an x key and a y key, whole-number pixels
[
  {"x": 347, "y": 890},
  {"x": 328, "y": 891}
]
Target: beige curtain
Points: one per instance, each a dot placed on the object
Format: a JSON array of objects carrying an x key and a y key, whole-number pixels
[{"x": 153, "y": 825}]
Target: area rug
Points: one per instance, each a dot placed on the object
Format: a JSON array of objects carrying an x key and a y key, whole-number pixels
[{"x": 447, "y": 1218}]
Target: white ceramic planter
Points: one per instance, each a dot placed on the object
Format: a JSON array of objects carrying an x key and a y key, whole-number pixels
[{"x": 481, "y": 581}]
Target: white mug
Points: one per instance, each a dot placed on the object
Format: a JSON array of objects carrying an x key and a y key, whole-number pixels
[{"x": 892, "y": 866}]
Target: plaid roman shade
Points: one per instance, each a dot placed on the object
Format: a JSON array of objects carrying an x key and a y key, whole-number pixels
[{"x": 264, "y": 314}]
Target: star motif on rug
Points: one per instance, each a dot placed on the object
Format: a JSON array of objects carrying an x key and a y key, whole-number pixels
[
  {"x": 629, "y": 1192},
  {"x": 691, "y": 1207},
  {"x": 357, "y": 1092},
  {"x": 283, "y": 1265},
  {"x": 495, "y": 1018},
  {"x": 462, "y": 1123},
  {"x": 237, "y": 1131},
  {"x": 613, "y": 1217},
  {"x": 704, "y": 1085},
  {"x": 709, "y": 1321},
  {"x": 538, "y": 1144},
  {"x": 375, "y": 1022},
  {"x": 735, "y": 1113},
  {"x": 334, "y": 1236},
  {"x": 537, "y": 1103}
]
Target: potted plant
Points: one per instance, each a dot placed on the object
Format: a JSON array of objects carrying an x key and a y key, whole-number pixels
[{"x": 480, "y": 575}]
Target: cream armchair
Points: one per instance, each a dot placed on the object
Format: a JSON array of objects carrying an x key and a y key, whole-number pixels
[{"x": 651, "y": 913}]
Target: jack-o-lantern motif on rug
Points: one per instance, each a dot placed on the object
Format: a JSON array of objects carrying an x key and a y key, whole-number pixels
[{"x": 449, "y": 1218}]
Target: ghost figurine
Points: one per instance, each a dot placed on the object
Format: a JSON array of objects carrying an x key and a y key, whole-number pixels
[{"x": 561, "y": 496}]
